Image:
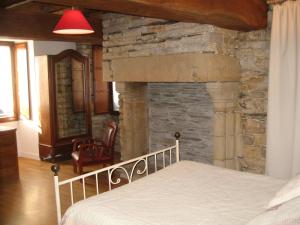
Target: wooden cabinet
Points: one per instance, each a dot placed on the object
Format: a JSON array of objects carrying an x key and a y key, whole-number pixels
[
  {"x": 9, "y": 169},
  {"x": 64, "y": 102}
]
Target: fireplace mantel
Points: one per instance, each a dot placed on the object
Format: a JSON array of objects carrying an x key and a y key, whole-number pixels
[{"x": 184, "y": 67}]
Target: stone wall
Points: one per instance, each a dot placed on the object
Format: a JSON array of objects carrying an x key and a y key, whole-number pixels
[
  {"x": 253, "y": 51},
  {"x": 130, "y": 36},
  {"x": 98, "y": 121}
]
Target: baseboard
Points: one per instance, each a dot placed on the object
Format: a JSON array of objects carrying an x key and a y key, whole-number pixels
[{"x": 29, "y": 155}]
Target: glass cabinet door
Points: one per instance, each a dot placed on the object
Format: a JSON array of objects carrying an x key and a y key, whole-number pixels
[{"x": 70, "y": 78}]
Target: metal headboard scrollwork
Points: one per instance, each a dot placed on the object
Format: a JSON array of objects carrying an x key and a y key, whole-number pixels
[{"x": 137, "y": 166}]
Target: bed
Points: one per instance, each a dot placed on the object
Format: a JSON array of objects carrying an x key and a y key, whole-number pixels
[{"x": 183, "y": 192}]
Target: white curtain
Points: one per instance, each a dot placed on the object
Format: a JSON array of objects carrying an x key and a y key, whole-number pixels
[{"x": 283, "y": 126}]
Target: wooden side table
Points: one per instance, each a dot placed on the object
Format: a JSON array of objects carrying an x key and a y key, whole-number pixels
[{"x": 9, "y": 169}]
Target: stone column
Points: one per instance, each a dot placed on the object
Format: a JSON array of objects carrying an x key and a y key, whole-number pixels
[
  {"x": 133, "y": 125},
  {"x": 224, "y": 97}
]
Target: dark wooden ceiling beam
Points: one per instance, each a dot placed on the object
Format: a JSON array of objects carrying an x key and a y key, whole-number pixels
[
  {"x": 232, "y": 14},
  {"x": 5, "y": 3},
  {"x": 39, "y": 26},
  {"x": 37, "y": 7}
]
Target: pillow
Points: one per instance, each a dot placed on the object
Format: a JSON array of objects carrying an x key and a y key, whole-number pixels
[
  {"x": 285, "y": 214},
  {"x": 287, "y": 192}
]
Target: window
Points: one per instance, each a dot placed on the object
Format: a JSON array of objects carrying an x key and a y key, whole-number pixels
[
  {"x": 8, "y": 110},
  {"x": 115, "y": 94},
  {"x": 14, "y": 82}
]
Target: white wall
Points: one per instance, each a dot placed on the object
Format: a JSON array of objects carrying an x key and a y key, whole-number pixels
[
  {"x": 28, "y": 130},
  {"x": 27, "y": 138},
  {"x": 51, "y": 47}
]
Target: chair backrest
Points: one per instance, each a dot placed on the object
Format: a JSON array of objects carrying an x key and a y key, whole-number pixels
[{"x": 109, "y": 137}]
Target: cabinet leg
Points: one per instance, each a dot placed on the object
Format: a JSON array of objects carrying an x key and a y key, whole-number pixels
[
  {"x": 80, "y": 169},
  {"x": 74, "y": 167}
]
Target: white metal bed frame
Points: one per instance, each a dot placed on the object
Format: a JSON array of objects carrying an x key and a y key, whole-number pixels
[{"x": 111, "y": 169}]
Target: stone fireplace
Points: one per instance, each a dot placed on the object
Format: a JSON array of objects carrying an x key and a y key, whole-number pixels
[
  {"x": 240, "y": 62},
  {"x": 220, "y": 76}
]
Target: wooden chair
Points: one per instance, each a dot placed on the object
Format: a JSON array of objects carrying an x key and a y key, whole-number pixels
[{"x": 89, "y": 151}]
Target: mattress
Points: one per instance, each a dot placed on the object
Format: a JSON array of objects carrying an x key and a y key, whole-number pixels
[{"x": 185, "y": 193}]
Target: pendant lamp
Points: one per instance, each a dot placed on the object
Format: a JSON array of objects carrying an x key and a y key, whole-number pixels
[{"x": 73, "y": 22}]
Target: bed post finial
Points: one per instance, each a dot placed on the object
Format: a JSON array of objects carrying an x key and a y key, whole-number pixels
[
  {"x": 177, "y": 135},
  {"x": 55, "y": 169}
]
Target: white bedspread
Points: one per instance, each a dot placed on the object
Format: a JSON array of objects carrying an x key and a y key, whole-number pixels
[{"x": 186, "y": 193}]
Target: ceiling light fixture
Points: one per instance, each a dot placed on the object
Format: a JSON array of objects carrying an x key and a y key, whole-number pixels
[{"x": 73, "y": 22}]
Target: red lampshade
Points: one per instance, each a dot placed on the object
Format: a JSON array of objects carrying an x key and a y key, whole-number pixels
[{"x": 73, "y": 22}]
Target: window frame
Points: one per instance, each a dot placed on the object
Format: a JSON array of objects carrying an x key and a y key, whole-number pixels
[
  {"x": 15, "y": 47},
  {"x": 15, "y": 85},
  {"x": 4, "y": 119}
]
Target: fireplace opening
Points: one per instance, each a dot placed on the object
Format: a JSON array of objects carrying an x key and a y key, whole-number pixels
[{"x": 183, "y": 107}]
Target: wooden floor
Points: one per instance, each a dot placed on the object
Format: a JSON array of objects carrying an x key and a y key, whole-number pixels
[{"x": 31, "y": 201}]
